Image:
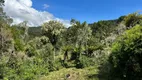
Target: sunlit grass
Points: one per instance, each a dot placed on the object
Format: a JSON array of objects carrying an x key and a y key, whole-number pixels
[{"x": 89, "y": 73}]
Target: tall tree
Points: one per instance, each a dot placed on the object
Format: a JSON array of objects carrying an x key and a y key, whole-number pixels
[
  {"x": 79, "y": 34},
  {"x": 24, "y": 27},
  {"x": 52, "y": 30}
]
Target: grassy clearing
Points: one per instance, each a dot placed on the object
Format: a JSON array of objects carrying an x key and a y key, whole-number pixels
[{"x": 90, "y": 73}]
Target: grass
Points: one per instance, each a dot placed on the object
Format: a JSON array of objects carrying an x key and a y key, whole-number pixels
[{"x": 90, "y": 73}]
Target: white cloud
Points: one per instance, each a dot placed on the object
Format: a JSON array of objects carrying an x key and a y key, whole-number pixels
[
  {"x": 21, "y": 10},
  {"x": 45, "y": 6}
]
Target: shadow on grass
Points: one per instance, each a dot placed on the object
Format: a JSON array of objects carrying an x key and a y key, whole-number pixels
[
  {"x": 96, "y": 77},
  {"x": 91, "y": 76},
  {"x": 103, "y": 73}
]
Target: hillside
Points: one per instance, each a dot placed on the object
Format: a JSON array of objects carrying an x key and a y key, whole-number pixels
[
  {"x": 104, "y": 50},
  {"x": 73, "y": 74},
  {"x": 34, "y": 32}
]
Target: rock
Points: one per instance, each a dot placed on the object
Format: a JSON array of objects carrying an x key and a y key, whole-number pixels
[{"x": 68, "y": 75}]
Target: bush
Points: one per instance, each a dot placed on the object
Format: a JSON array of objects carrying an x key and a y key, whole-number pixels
[
  {"x": 84, "y": 61},
  {"x": 132, "y": 19},
  {"x": 126, "y": 57},
  {"x": 42, "y": 49}
]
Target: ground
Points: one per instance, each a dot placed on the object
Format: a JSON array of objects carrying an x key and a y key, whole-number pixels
[{"x": 90, "y": 73}]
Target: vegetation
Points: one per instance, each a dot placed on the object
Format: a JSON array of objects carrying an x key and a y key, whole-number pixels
[
  {"x": 126, "y": 55},
  {"x": 104, "y": 50}
]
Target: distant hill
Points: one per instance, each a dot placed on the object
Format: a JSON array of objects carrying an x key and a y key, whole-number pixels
[
  {"x": 106, "y": 26},
  {"x": 34, "y": 32}
]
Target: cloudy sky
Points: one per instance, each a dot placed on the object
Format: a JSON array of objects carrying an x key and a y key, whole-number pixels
[
  {"x": 22, "y": 10},
  {"x": 38, "y": 11}
]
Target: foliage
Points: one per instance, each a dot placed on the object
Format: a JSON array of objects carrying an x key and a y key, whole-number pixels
[
  {"x": 52, "y": 29},
  {"x": 6, "y": 41},
  {"x": 102, "y": 29},
  {"x": 126, "y": 55},
  {"x": 79, "y": 33},
  {"x": 1, "y": 2},
  {"x": 74, "y": 74},
  {"x": 84, "y": 62},
  {"x": 133, "y": 19},
  {"x": 78, "y": 36},
  {"x": 34, "y": 32},
  {"x": 17, "y": 36},
  {"x": 42, "y": 50},
  {"x": 29, "y": 53}
]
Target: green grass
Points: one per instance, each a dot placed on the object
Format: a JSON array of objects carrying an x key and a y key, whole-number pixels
[{"x": 90, "y": 73}]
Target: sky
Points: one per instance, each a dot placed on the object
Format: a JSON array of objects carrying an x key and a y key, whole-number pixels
[{"x": 39, "y": 11}]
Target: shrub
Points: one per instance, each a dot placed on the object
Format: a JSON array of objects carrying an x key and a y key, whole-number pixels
[
  {"x": 84, "y": 61},
  {"x": 126, "y": 57},
  {"x": 132, "y": 19}
]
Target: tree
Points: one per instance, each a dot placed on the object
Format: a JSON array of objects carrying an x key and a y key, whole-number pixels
[
  {"x": 103, "y": 29},
  {"x": 78, "y": 35},
  {"x": 5, "y": 33},
  {"x": 1, "y": 2},
  {"x": 120, "y": 19},
  {"x": 20, "y": 35},
  {"x": 23, "y": 26},
  {"x": 126, "y": 55},
  {"x": 3, "y": 17},
  {"x": 42, "y": 50},
  {"x": 52, "y": 30},
  {"x": 132, "y": 19},
  {"x": 6, "y": 47}
]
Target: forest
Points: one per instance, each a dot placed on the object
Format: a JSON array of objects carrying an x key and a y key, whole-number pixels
[{"x": 103, "y": 50}]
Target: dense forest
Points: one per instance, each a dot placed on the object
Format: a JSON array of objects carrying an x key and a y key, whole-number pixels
[{"x": 104, "y": 50}]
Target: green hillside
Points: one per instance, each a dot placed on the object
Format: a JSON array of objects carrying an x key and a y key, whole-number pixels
[
  {"x": 34, "y": 32},
  {"x": 103, "y": 50}
]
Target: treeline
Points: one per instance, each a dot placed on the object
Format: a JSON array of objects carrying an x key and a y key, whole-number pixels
[{"x": 29, "y": 53}]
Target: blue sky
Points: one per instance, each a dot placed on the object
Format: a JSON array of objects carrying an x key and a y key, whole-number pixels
[
  {"x": 37, "y": 12},
  {"x": 88, "y": 10}
]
